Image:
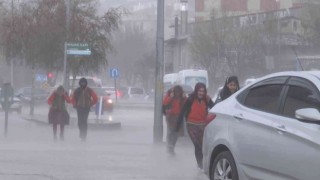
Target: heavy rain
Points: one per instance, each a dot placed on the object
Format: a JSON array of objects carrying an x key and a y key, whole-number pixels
[{"x": 159, "y": 89}]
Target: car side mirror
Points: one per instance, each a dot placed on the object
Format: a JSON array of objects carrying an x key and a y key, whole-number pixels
[{"x": 308, "y": 114}]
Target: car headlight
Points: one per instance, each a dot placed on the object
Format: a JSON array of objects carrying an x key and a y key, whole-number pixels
[{"x": 109, "y": 101}]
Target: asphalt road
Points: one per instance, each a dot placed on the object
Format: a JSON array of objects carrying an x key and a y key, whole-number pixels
[{"x": 29, "y": 152}]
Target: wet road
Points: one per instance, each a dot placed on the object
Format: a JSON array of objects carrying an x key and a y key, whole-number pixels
[{"x": 29, "y": 152}]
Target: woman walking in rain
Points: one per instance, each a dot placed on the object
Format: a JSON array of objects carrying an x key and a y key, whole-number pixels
[
  {"x": 195, "y": 111},
  {"x": 172, "y": 105},
  {"x": 230, "y": 87},
  {"x": 58, "y": 114}
]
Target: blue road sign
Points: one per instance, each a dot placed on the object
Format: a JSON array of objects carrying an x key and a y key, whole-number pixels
[
  {"x": 41, "y": 77},
  {"x": 114, "y": 73}
]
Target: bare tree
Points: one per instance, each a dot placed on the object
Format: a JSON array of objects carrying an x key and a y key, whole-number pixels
[{"x": 133, "y": 50}]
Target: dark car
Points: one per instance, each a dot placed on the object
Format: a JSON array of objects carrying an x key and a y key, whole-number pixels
[
  {"x": 40, "y": 95},
  {"x": 107, "y": 101},
  {"x": 15, "y": 106}
]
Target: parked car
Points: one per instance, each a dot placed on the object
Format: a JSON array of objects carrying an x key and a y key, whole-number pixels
[
  {"x": 136, "y": 93},
  {"x": 269, "y": 129},
  {"x": 16, "y": 105},
  {"x": 40, "y": 95},
  {"x": 111, "y": 91},
  {"x": 120, "y": 93},
  {"x": 107, "y": 101}
]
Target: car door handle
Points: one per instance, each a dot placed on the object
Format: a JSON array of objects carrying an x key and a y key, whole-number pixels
[
  {"x": 281, "y": 128},
  {"x": 238, "y": 117}
]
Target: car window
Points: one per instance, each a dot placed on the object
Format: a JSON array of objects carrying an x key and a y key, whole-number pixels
[
  {"x": 298, "y": 98},
  {"x": 264, "y": 98},
  {"x": 100, "y": 91},
  {"x": 109, "y": 88}
]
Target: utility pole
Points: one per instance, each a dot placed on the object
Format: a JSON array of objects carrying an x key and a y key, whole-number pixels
[
  {"x": 158, "y": 117},
  {"x": 11, "y": 53},
  {"x": 65, "y": 77}
]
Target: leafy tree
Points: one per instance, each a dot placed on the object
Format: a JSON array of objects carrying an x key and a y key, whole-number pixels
[{"x": 36, "y": 33}]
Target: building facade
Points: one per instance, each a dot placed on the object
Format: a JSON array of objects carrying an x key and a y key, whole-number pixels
[{"x": 210, "y": 9}]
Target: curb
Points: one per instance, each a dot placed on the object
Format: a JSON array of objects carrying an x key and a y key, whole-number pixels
[{"x": 94, "y": 126}]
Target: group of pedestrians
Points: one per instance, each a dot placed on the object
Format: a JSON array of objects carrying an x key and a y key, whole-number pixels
[
  {"x": 82, "y": 99},
  {"x": 194, "y": 110}
]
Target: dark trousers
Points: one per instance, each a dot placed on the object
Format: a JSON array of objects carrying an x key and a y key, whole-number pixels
[
  {"x": 172, "y": 134},
  {"x": 83, "y": 114},
  {"x": 196, "y": 135}
]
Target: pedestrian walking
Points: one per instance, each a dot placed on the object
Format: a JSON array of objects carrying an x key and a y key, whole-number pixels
[
  {"x": 195, "y": 112},
  {"x": 83, "y": 99},
  {"x": 172, "y": 105},
  {"x": 230, "y": 87},
  {"x": 58, "y": 114}
]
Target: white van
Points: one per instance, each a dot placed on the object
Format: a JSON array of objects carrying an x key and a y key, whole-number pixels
[
  {"x": 191, "y": 77},
  {"x": 169, "y": 80}
]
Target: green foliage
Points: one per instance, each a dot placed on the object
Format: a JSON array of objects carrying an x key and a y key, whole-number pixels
[{"x": 36, "y": 33}]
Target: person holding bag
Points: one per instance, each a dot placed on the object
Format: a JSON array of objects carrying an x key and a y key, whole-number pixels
[
  {"x": 172, "y": 105},
  {"x": 58, "y": 114}
]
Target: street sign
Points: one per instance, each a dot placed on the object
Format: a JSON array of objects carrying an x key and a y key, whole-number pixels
[
  {"x": 45, "y": 86},
  {"x": 114, "y": 73},
  {"x": 78, "y": 49},
  {"x": 41, "y": 78}
]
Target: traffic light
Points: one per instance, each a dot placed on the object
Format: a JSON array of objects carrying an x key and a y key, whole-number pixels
[
  {"x": 50, "y": 79},
  {"x": 50, "y": 75}
]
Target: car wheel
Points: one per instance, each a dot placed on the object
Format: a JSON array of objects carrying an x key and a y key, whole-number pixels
[{"x": 224, "y": 167}]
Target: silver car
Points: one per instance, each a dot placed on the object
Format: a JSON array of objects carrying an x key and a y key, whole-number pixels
[{"x": 267, "y": 130}]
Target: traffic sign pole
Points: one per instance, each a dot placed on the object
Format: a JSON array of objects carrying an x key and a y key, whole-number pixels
[
  {"x": 114, "y": 73},
  {"x": 115, "y": 88}
]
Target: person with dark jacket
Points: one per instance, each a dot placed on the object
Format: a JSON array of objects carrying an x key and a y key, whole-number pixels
[
  {"x": 195, "y": 112},
  {"x": 83, "y": 98},
  {"x": 172, "y": 105},
  {"x": 230, "y": 87},
  {"x": 58, "y": 114}
]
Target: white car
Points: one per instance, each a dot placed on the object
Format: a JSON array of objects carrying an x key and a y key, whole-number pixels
[{"x": 268, "y": 130}]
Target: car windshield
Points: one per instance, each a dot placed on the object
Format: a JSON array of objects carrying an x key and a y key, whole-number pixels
[
  {"x": 193, "y": 80},
  {"x": 100, "y": 91},
  {"x": 109, "y": 89}
]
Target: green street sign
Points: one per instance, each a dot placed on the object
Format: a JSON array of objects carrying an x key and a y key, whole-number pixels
[{"x": 78, "y": 49}]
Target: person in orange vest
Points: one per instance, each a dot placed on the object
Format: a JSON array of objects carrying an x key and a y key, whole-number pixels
[
  {"x": 58, "y": 114},
  {"x": 83, "y": 98},
  {"x": 195, "y": 112},
  {"x": 172, "y": 105}
]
